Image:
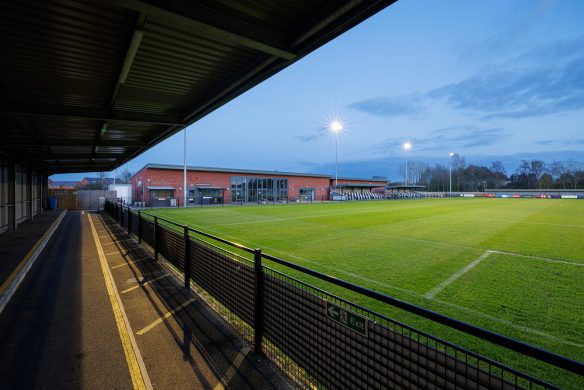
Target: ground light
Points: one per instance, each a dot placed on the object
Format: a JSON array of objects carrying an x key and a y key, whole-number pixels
[
  {"x": 451, "y": 155},
  {"x": 335, "y": 128},
  {"x": 407, "y": 147}
]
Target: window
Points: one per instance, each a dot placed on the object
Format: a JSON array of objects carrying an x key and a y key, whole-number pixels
[{"x": 258, "y": 189}]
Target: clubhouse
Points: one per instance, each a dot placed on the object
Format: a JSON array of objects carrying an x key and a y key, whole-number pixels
[{"x": 161, "y": 185}]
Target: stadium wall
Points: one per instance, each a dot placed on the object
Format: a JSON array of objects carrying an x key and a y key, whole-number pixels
[
  {"x": 169, "y": 177},
  {"x": 172, "y": 177}
]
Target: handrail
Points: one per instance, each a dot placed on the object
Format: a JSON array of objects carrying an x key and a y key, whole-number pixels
[
  {"x": 496, "y": 338},
  {"x": 234, "y": 244}
]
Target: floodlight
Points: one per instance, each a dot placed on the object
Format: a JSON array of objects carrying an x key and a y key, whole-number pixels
[
  {"x": 336, "y": 126},
  {"x": 407, "y": 146}
]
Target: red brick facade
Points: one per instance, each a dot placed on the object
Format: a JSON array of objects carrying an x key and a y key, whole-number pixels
[{"x": 172, "y": 176}]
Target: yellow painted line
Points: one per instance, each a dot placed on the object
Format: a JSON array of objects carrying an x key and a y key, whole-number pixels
[
  {"x": 116, "y": 241},
  {"x": 28, "y": 255},
  {"x": 233, "y": 368},
  {"x": 120, "y": 251},
  {"x": 130, "y": 262},
  {"x": 164, "y": 317},
  {"x": 144, "y": 283},
  {"x": 138, "y": 373}
]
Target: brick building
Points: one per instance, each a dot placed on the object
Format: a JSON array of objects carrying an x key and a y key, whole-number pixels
[{"x": 162, "y": 185}]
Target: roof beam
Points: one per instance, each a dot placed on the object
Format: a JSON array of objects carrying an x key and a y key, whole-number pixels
[
  {"x": 71, "y": 142},
  {"x": 213, "y": 27},
  {"x": 98, "y": 114},
  {"x": 68, "y": 156}
]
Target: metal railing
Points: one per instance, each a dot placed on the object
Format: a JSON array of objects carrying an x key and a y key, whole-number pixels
[{"x": 320, "y": 339}]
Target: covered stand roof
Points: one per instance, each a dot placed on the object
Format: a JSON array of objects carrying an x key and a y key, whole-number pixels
[{"x": 87, "y": 85}]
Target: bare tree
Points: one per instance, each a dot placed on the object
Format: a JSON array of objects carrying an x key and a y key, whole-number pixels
[
  {"x": 124, "y": 175},
  {"x": 102, "y": 176},
  {"x": 458, "y": 166},
  {"x": 498, "y": 171},
  {"x": 573, "y": 168},
  {"x": 557, "y": 171},
  {"x": 536, "y": 169}
]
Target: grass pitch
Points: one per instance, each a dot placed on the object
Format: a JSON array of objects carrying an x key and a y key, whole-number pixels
[{"x": 513, "y": 266}]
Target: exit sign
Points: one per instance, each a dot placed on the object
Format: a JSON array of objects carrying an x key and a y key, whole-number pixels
[{"x": 355, "y": 322}]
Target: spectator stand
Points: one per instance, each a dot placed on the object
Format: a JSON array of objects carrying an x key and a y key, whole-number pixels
[
  {"x": 357, "y": 191},
  {"x": 403, "y": 191}
]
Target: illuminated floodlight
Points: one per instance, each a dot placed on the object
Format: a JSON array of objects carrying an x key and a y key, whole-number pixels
[
  {"x": 407, "y": 147},
  {"x": 451, "y": 154},
  {"x": 336, "y": 126}
]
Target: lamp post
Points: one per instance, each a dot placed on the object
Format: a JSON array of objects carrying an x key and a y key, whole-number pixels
[
  {"x": 407, "y": 147},
  {"x": 336, "y": 127},
  {"x": 185, "y": 169},
  {"x": 451, "y": 154}
]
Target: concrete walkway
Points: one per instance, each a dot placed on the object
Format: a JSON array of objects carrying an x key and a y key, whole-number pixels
[{"x": 96, "y": 311}]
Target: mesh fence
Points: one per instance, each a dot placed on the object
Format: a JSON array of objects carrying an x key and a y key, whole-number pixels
[
  {"x": 318, "y": 339},
  {"x": 324, "y": 341},
  {"x": 171, "y": 246},
  {"x": 228, "y": 278},
  {"x": 135, "y": 223}
]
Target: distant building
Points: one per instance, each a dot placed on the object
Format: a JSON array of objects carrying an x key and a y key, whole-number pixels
[
  {"x": 63, "y": 184},
  {"x": 159, "y": 185},
  {"x": 96, "y": 180}
]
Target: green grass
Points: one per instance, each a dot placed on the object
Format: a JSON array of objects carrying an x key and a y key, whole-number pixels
[{"x": 533, "y": 291}]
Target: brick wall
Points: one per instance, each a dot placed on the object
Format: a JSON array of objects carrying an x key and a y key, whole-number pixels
[{"x": 174, "y": 178}]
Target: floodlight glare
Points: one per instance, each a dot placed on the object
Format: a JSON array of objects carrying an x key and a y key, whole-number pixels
[
  {"x": 336, "y": 126},
  {"x": 407, "y": 146},
  {"x": 451, "y": 154}
]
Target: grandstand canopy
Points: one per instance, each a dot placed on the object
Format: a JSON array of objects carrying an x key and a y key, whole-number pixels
[
  {"x": 357, "y": 185},
  {"x": 86, "y": 85},
  {"x": 405, "y": 187}
]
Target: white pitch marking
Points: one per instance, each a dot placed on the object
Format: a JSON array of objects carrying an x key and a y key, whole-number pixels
[
  {"x": 418, "y": 295},
  {"x": 539, "y": 258},
  {"x": 430, "y": 294}
]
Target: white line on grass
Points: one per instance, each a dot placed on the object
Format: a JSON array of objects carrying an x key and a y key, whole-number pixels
[
  {"x": 430, "y": 294},
  {"x": 370, "y": 233},
  {"x": 538, "y": 258},
  {"x": 385, "y": 285}
]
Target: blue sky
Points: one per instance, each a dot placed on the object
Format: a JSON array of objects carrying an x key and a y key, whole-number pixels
[{"x": 490, "y": 80}]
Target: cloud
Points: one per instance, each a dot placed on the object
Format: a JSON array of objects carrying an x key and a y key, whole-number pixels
[
  {"x": 307, "y": 138},
  {"x": 449, "y": 138},
  {"x": 546, "y": 80},
  {"x": 523, "y": 87},
  {"x": 312, "y": 137},
  {"x": 563, "y": 142},
  {"x": 411, "y": 105}
]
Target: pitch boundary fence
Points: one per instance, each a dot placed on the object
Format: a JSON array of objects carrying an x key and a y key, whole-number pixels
[{"x": 318, "y": 339}]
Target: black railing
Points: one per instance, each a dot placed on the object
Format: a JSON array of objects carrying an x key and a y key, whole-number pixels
[{"x": 320, "y": 339}]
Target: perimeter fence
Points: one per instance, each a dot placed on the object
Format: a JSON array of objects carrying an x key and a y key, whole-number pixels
[{"x": 318, "y": 339}]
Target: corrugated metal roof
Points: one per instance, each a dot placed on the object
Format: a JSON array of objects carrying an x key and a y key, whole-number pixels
[
  {"x": 230, "y": 170},
  {"x": 87, "y": 85}
]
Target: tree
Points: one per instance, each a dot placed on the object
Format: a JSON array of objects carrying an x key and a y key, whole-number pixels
[
  {"x": 546, "y": 181},
  {"x": 536, "y": 169},
  {"x": 557, "y": 170},
  {"x": 125, "y": 175},
  {"x": 523, "y": 174},
  {"x": 458, "y": 165},
  {"x": 573, "y": 168},
  {"x": 498, "y": 171}
]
